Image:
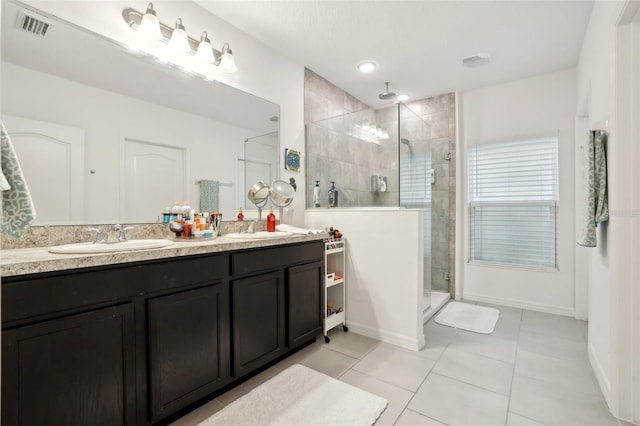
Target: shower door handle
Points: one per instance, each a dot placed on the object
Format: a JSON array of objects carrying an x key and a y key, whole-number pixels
[{"x": 432, "y": 174}]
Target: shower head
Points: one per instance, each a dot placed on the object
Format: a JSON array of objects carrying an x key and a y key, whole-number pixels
[
  {"x": 386, "y": 95},
  {"x": 407, "y": 142}
]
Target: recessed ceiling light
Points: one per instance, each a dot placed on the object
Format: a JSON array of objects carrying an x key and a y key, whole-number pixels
[
  {"x": 476, "y": 60},
  {"x": 367, "y": 67},
  {"x": 402, "y": 98}
]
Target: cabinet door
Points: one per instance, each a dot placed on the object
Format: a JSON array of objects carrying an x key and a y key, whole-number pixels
[
  {"x": 77, "y": 370},
  {"x": 188, "y": 347},
  {"x": 258, "y": 321},
  {"x": 304, "y": 305}
]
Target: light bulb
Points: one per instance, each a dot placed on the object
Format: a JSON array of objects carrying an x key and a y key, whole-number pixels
[
  {"x": 149, "y": 25},
  {"x": 367, "y": 67},
  {"x": 205, "y": 51},
  {"x": 227, "y": 62},
  {"x": 179, "y": 39}
]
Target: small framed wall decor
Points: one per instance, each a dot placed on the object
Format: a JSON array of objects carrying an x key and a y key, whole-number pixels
[{"x": 291, "y": 160}]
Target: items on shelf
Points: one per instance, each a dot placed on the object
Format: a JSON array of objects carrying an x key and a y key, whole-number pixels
[{"x": 335, "y": 284}]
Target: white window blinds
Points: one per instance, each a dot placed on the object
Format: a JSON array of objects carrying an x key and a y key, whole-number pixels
[
  {"x": 513, "y": 203},
  {"x": 415, "y": 189}
]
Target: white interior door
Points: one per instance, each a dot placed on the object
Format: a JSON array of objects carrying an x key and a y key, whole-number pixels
[
  {"x": 52, "y": 161},
  {"x": 146, "y": 164}
]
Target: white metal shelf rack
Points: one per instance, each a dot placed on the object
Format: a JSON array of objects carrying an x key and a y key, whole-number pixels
[{"x": 335, "y": 286}]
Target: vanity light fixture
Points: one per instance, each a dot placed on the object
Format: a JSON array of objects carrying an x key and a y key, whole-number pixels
[
  {"x": 205, "y": 50},
  {"x": 402, "y": 98},
  {"x": 147, "y": 23},
  {"x": 227, "y": 62},
  {"x": 179, "y": 38},
  {"x": 150, "y": 25}
]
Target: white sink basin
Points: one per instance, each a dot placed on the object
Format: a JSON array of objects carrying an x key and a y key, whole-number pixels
[
  {"x": 80, "y": 248},
  {"x": 260, "y": 235}
]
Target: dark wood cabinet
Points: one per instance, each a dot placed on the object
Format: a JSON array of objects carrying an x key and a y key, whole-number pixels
[
  {"x": 76, "y": 370},
  {"x": 258, "y": 321},
  {"x": 304, "y": 303},
  {"x": 188, "y": 347},
  {"x": 138, "y": 343}
]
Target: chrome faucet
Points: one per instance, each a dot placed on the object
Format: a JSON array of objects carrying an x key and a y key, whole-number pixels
[
  {"x": 122, "y": 237},
  {"x": 100, "y": 236}
]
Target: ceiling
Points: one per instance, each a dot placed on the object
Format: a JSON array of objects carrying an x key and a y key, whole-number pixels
[{"x": 417, "y": 45}]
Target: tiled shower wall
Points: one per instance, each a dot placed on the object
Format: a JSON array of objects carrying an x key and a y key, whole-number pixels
[{"x": 351, "y": 162}]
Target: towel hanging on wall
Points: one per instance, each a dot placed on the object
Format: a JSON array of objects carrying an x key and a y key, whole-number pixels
[
  {"x": 18, "y": 212},
  {"x": 209, "y": 194},
  {"x": 595, "y": 208}
]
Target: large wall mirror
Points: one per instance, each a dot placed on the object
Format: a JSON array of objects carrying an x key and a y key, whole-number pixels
[{"x": 108, "y": 135}]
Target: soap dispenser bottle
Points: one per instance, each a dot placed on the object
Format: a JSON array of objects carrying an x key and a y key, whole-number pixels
[
  {"x": 240, "y": 215},
  {"x": 333, "y": 195},
  {"x": 316, "y": 194},
  {"x": 271, "y": 221}
]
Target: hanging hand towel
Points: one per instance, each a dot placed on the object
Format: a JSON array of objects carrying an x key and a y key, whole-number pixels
[
  {"x": 595, "y": 208},
  {"x": 18, "y": 211},
  {"x": 209, "y": 193}
]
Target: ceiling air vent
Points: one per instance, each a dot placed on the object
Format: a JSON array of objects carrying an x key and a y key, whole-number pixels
[{"x": 33, "y": 25}]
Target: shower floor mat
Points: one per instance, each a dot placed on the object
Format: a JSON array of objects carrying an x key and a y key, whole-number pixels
[{"x": 479, "y": 319}]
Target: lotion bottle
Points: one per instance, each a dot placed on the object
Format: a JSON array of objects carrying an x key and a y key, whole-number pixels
[
  {"x": 333, "y": 195},
  {"x": 186, "y": 210},
  {"x": 271, "y": 221},
  {"x": 316, "y": 194},
  {"x": 240, "y": 215}
]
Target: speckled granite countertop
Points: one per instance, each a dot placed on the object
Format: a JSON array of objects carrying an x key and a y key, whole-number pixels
[{"x": 35, "y": 260}]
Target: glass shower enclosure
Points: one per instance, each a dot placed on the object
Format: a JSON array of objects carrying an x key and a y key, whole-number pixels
[{"x": 386, "y": 158}]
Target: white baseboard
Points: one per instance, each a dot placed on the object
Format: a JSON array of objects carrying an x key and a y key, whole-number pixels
[
  {"x": 415, "y": 344},
  {"x": 515, "y": 303},
  {"x": 603, "y": 380}
]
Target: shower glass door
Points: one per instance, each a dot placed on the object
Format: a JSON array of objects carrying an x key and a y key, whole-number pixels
[{"x": 424, "y": 184}]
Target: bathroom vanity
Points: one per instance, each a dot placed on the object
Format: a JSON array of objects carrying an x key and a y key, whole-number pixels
[{"x": 136, "y": 342}]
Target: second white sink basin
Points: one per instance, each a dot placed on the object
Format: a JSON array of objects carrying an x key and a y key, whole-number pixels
[
  {"x": 80, "y": 248},
  {"x": 260, "y": 235}
]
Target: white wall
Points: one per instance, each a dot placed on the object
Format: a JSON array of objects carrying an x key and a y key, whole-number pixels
[
  {"x": 608, "y": 81},
  {"x": 542, "y": 105},
  {"x": 596, "y": 92},
  {"x": 384, "y": 270},
  {"x": 261, "y": 70}
]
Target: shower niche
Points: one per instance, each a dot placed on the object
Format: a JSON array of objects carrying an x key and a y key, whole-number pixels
[{"x": 378, "y": 183}]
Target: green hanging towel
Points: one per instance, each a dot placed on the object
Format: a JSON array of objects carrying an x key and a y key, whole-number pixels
[
  {"x": 595, "y": 208},
  {"x": 18, "y": 211}
]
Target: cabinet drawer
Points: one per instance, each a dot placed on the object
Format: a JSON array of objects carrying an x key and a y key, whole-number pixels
[
  {"x": 262, "y": 259},
  {"x": 69, "y": 290}
]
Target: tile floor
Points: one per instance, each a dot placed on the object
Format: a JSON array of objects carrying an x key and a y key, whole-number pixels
[{"x": 532, "y": 370}]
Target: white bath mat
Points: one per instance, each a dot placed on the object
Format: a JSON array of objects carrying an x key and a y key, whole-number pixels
[
  {"x": 301, "y": 396},
  {"x": 479, "y": 319}
]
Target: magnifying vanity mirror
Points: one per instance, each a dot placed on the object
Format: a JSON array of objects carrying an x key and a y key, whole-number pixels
[{"x": 108, "y": 135}]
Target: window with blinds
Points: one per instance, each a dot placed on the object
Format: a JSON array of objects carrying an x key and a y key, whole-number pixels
[
  {"x": 513, "y": 203},
  {"x": 415, "y": 189}
]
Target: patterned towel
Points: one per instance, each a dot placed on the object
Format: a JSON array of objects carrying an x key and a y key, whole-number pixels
[
  {"x": 209, "y": 193},
  {"x": 595, "y": 208},
  {"x": 18, "y": 211}
]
